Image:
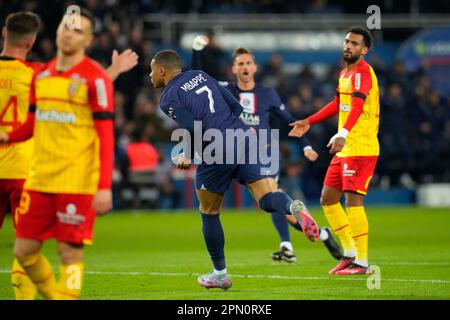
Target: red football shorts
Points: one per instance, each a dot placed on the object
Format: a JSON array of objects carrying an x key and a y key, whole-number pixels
[
  {"x": 351, "y": 173},
  {"x": 66, "y": 217},
  {"x": 10, "y": 191}
]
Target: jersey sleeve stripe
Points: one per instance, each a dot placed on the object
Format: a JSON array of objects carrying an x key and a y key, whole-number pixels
[
  {"x": 103, "y": 115},
  {"x": 359, "y": 95}
]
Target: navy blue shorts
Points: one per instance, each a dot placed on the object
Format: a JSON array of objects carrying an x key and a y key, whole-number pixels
[{"x": 217, "y": 177}]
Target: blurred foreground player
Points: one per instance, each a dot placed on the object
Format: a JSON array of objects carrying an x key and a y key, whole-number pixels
[
  {"x": 19, "y": 35},
  {"x": 356, "y": 150},
  {"x": 16, "y": 76},
  {"x": 71, "y": 167},
  {"x": 195, "y": 96}
]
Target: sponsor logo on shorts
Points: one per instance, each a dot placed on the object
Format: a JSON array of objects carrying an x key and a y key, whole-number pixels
[
  {"x": 348, "y": 172},
  {"x": 70, "y": 216}
]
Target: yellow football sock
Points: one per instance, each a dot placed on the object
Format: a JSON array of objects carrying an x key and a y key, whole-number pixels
[
  {"x": 360, "y": 230},
  {"x": 40, "y": 272},
  {"x": 24, "y": 288},
  {"x": 337, "y": 218},
  {"x": 71, "y": 281}
]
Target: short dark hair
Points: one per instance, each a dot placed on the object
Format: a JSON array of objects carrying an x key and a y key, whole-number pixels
[
  {"x": 240, "y": 51},
  {"x": 88, "y": 15},
  {"x": 169, "y": 59},
  {"x": 367, "y": 37},
  {"x": 23, "y": 23}
]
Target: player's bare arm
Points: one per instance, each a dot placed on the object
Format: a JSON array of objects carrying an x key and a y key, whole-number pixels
[
  {"x": 300, "y": 127},
  {"x": 337, "y": 141},
  {"x": 336, "y": 145},
  {"x": 310, "y": 154},
  {"x": 102, "y": 202},
  {"x": 121, "y": 63},
  {"x": 182, "y": 162},
  {"x": 4, "y": 137}
]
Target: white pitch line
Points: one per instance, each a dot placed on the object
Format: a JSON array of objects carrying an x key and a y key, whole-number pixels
[
  {"x": 444, "y": 263},
  {"x": 261, "y": 276}
]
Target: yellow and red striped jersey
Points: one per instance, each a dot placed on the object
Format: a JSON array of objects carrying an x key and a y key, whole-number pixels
[
  {"x": 16, "y": 81},
  {"x": 66, "y": 153},
  {"x": 362, "y": 139}
]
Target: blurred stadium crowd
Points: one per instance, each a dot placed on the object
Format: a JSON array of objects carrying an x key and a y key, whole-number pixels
[{"x": 415, "y": 119}]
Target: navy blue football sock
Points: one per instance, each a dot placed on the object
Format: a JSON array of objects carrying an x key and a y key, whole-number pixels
[
  {"x": 281, "y": 224},
  {"x": 214, "y": 239},
  {"x": 297, "y": 226},
  {"x": 276, "y": 202}
]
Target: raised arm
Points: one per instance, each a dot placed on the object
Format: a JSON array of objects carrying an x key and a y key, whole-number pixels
[
  {"x": 199, "y": 43},
  {"x": 121, "y": 63}
]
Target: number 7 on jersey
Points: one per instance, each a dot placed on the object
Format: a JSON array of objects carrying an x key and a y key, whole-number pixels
[{"x": 210, "y": 97}]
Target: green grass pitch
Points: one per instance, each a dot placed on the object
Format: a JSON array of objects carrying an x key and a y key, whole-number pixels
[{"x": 148, "y": 255}]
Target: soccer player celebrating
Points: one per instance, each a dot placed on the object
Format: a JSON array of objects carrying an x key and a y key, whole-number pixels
[
  {"x": 356, "y": 150},
  {"x": 71, "y": 167},
  {"x": 258, "y": 103},
  {"x": 195, "y": 96}
]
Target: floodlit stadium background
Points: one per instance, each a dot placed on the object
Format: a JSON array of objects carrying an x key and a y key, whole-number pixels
[{"x": 298, "y": 48}]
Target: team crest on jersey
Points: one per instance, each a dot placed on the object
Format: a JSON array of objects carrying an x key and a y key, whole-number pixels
[
  {"x": 170, "y": 113},
  {"x": 76, "y": 83},
  {"x": 248, "y": 102}
]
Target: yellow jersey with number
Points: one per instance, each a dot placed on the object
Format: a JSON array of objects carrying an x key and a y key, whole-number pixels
[{"x": 16, "y": 80}]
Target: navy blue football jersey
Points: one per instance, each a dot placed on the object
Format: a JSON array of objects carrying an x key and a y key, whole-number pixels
[
  {"x": 258, "y": 104},
  {"x": 195, "y": 96}
]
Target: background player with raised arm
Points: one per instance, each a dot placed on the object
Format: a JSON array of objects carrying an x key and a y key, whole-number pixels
[
  {"x": 19, "y": 35},
  {"x": 195, "y": 96},
  {"x": 356, "y": 150},
  {"x": 259, "y": 102},
  {"x": 72, "y": 161}
]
